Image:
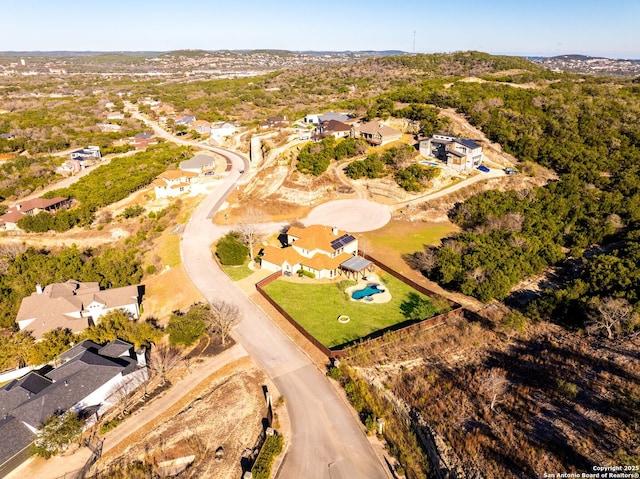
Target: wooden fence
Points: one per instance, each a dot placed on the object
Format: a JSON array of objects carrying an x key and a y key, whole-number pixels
[{"x": 405, "y": 326}]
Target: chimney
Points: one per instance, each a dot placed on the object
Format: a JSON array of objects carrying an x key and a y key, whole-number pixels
[
  {"x": 141, "y": 357},
  {"x": 39, "y": 288},
  {"x": 334, "y": 230}
]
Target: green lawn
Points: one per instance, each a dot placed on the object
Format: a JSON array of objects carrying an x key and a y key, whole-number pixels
[
  {"x": 236, "y": 273},
  {"x": 316, "y": 308},
  {"x": 407, "y": 237}
]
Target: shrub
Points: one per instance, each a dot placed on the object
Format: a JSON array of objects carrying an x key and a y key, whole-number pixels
[
  {"x": 57, "y": 433},
  {"x": 270, "y": 450},
  {"x": 186, "y": 329},
  {"x": 109, "y": 425},
  {"x": 308, "y": 274},
  {"x": 567, "y": 389},
  {"x": 133, "y": 211},
  {"x": 231, "y": 251}
]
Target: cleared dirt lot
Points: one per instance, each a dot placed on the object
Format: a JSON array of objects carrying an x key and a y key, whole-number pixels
[{"x": 225, "y": 410}]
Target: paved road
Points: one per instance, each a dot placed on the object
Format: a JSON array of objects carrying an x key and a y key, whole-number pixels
[{"x": 327, "y": 441}]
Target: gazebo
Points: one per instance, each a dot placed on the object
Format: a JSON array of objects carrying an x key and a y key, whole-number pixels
[{"x": 355, "y": 266}]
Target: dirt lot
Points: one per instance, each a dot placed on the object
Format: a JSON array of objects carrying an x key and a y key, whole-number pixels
[{"x": 226, "y": 410}]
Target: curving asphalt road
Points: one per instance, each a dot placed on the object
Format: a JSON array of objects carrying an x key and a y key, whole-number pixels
[{"x": 327, "y": 441}]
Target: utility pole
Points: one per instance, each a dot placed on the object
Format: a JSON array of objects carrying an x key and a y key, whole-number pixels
[{"x": 414, "y": 41}]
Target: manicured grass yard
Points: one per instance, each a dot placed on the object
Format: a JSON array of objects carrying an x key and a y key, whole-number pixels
[
  {"x": 236, "y": 273},
  {"x": 316, "y": 308}
]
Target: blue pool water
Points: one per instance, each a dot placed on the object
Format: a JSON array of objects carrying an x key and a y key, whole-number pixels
[{"x": 370, "y": 290}]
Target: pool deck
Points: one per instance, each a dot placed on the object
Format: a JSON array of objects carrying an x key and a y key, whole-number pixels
[{"x": 378, "y": 298}]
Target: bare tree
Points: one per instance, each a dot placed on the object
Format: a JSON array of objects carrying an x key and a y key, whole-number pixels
[
  {"x": 223, "y": 317},
  {"x": 249, "y": 228},
  {"x": 123, "y": 395},
  {"x": 609, "y": 315},
  {"x": 163, "y": 360},
  {"x": 425, "y": 260},
  {"x": 494, "y": 385}
]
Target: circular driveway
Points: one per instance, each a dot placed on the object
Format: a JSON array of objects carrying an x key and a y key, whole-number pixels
[{"x": 354, "y": 216}]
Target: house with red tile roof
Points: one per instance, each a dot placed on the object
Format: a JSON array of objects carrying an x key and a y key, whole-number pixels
[
  {"x": 317, "y": 249},
  {"x": 173, "y": 183},
  {"x": 9, "y": 221}
]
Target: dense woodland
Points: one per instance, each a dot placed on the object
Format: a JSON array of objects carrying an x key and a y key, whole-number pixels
[{"x": 587, "y": 130}]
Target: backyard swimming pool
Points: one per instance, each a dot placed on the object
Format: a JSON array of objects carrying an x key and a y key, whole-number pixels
[{"x": 370, "y": 290}]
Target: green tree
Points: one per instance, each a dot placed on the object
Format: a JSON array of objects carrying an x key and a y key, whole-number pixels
[
  {"x": 186, "y": 329},
  {"x": 57, "y": 433},
  {"x": 117, "y": 325},
  {"x": 53, "y": 343},
  {"x": 230, "y": 250}
]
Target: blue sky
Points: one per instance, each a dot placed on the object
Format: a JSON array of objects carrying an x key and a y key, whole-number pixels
[{"x": 521, "y": 27}]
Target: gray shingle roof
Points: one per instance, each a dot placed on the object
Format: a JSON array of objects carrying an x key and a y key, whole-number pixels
[
  {"x": 78, "y": 349},
  {"x": 198, "y": 162},
  {"x": 14, "y": 436},
  {"x": 74, "y": 381},
  {"x": 115, "y": 349}
]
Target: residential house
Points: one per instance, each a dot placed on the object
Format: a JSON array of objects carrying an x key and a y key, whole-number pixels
[
  {"x": 199, "y": 164},
  {"x": 223, "y": 129},
  {"x": 334, "y": 128},
  {"x": 278, "y": 121},
  {"x": 143, "y": 140},
  {"x": 320, "y": 250},
  {"x": 115, "y": 116},
  {"x": 461, "y": 154},
  {"x": 9, "y": 220},
  {"x": 185, "y": 120},
  {"x": 312, "y": 119},
  {"x": 74, "y": 305},
  {"x": 332, "y": 115},
  {"x": 376, "y": 133},
  {"x": 173, "y": 183},
  {"x": 88, "y": 382},
  {"x": 201, "y": 126},
  {"x": 86, "y": 156}
]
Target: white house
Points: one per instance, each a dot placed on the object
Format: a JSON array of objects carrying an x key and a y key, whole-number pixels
[
  {"x": 74, "y": 305},
  {"x": 461, "y": 154},
  {"x": 320, "y": 250},
  {"x": 223, "y": 129},
  {"x": 173, "y": 183}
]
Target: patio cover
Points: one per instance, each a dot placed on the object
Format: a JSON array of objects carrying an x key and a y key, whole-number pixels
[{"x": 356, "y": 264}]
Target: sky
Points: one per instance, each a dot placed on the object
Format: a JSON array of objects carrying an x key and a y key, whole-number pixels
[{"x": 609, "y": 28}]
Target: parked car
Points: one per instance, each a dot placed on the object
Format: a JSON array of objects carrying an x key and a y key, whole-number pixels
[
  {"x": 511, "y": 171},
  {"x": 484, "y": 169}
]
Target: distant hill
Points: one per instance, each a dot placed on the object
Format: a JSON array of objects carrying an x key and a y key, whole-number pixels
[
  {"x": 573, "y": 63},
  {"x": 469, "y": 63}
]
